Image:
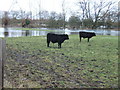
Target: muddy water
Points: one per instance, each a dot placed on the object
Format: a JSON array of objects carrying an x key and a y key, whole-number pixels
[{"x": 9, "y": 32}]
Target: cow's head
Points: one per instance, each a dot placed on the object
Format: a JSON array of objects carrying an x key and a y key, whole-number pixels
[
  {"x": 66, "y": 37},
  {"x": 93, "y": 34}
]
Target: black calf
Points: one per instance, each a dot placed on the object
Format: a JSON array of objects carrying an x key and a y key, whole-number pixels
[
  {"x": 56, "y": 38},
  {"x": 86, "y": 35}
]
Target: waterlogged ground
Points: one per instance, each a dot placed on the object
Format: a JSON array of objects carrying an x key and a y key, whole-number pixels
[{"x": 30, "y": 64}]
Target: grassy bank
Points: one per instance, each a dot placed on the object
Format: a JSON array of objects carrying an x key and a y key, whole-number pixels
[
  {"x": 36, "y": 29},
  {"x": 82, "y": 65}
]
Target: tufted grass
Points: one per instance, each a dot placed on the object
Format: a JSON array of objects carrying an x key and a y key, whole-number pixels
[{"x": 30, "y": 63}]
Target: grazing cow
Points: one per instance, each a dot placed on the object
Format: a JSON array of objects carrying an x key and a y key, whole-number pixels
[
  {"x": 86, "y": 35},
  {"x": 56, "y": 38}
]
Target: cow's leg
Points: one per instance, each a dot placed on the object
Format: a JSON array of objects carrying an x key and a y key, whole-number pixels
[
  {"x": 59, "y": 45},
  {"x": 48, "y": 42},
  {"x": 88, "y": 39},
  {"x": 80, "y": 39}
]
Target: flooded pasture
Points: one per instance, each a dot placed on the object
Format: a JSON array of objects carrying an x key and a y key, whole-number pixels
[{"x": 10, "y": 32}]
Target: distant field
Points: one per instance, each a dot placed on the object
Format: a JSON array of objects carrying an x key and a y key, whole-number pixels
[{"x": 31, "y": 64}]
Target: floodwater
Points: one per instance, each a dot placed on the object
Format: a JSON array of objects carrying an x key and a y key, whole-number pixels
[{"x": 10, "y": 32}]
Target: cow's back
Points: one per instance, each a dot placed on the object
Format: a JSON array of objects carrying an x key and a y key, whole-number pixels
[
  {"x": 56, "y": 38},
  {"x": 86, "y": 34},
  {"x": 52, "y": 37},
  {"x": 83, "y": 34}
]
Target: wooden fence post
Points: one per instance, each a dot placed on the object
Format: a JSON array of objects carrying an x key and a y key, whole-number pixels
[{"x": 2, "y": 59}]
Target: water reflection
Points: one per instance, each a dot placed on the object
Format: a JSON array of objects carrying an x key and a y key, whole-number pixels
[
  {"x": 8, "y": 32},
  {"x": 98, "y": 32},
  {"x": 26, "y": 33}
]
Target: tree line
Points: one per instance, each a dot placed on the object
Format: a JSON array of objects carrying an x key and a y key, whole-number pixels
[{"x": 91, "y": 15}]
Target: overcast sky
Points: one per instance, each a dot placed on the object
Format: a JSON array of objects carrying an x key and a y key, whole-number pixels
[
  {"x": 49, "y": 5},
  {"x": 33, "y": 5}
]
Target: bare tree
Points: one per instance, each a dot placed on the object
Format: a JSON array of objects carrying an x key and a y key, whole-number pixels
[
  {"x": 85, "y": 7},
  {"x": 5, "y": 20},
  {"x": 98, "y": 9},
  {"x": 64, "y": 13},
  {"x": 119, "y": 16},
  {"x": 94, "y": 10},
  {"x": 44, "y": 15}
]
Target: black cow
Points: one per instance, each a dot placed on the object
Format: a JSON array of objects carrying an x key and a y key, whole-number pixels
[
  {"x": 86, "y": 35},
  {"x": 56, "y": 38}
]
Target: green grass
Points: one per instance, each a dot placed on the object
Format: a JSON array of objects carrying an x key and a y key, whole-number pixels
[{"x": 82, "y": 65}]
